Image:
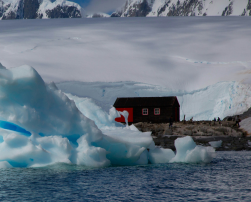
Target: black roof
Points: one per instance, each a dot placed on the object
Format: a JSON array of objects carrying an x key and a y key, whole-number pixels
[{"x": 145, "y": 102}]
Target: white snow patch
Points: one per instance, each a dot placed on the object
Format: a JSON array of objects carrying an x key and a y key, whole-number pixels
[
  {"x": 48, "y": 5},
  {"x": 216, "y": 144},
  {"x": 245, "y": 124}
]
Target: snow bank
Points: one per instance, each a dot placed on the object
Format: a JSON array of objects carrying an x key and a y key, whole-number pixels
[
  {"x": 170, "y": 53},
  {"x": 245, "y": 124},
  {"x": 94, "y": 112},
  {"x": 40, "y": 125}
]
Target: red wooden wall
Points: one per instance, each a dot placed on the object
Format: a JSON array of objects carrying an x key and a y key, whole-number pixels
[{"x": 121, "y": 118}]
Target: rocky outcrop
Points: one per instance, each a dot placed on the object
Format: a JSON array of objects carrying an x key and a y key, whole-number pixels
[
  {"x": 63, "y": 12},
  {"x": 32, "y": 9},
  {"x": 247, "y": 10},
  {"x": 242, "y": 116},
  {"x": 138, "y": 10},
  {"x": 228, "y": 10},
  {"x": 203, "y": 132},
  {"x": 134, "y": 8},
  {"x": 12, "y": 11},
  {"x": 187, "y": 8}
]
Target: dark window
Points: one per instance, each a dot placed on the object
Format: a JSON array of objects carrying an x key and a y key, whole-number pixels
[
  {"x": 144, "y": 111},
  {"x": 156, "y": 111}
]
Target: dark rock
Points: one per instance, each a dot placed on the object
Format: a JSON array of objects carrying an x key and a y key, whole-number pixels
[
  {"x": 163, "y": 8},
  {"x": 233, "y": 138},
  {"x": 242, "y": 116},
  {"x": 185, "y": 9},
  {"x": 139, "y": 10},
  {"x": 64, "y": 12},
  {"x": 30, "y": 9},
  {"x": 115, "y": 15},
  {"x": 13, "y": 15},
  {"x": 228, "y": 10}
]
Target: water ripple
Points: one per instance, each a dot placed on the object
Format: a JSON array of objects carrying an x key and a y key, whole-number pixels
[{"x": 227, "y": 178}]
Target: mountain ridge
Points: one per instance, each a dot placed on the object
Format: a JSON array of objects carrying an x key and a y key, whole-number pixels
[
  {"x": 155, "y": 8},
  {"x": 42, "y": 9},
  {"x": 33, "y": 9}
]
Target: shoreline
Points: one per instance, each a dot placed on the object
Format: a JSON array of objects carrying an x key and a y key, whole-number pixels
[{"x": 233, "y": 138}]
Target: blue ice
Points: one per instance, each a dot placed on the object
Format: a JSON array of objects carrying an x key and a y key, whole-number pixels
[{"x": 14, "y": 127}]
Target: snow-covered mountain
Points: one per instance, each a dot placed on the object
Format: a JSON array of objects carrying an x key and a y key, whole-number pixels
[
  {"x": 150, "y": 8},
  {"x": 98, "y": 15},
  {"x": 32, "y": 9}
]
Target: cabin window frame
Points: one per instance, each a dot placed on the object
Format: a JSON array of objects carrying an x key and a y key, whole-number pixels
[
  {"x": 155, "y": 111},
  {"x": 143, "y": 111}
]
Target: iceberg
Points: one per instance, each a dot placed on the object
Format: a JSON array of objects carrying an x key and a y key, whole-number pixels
[
  {"x": 216, "y": 144},
  {"x": 40, "y": 125},
  {"x": 189, "y": 152}
]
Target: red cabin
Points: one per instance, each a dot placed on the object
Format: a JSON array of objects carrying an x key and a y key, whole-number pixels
[{"x": 148, "y": 109}]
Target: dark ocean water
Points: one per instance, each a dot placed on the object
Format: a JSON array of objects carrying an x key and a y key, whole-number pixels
[{"x": 227, "y": 178}]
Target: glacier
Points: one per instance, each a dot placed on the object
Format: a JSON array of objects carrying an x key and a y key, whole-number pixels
[
  {"x": 40, "y": 126},
  {"x": 159, "y": 51},
  {"x": 222, "y": 99}
]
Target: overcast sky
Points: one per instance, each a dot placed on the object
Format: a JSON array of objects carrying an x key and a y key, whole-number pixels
[{"x": 105, "y": 6}]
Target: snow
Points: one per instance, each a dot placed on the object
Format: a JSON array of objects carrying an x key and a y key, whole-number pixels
[
  {"x": 147, "y": 50},
  {"x": 246, "y": 125},
  {"x": 95, "y": 15},
  {"x": 210, "y": 7},
  {"x": 11, "y": 5},
  {"x": 238, "y": 7},
  {"x": 48, "y": 5},
  {"x": 95, "y": 112},
  {"x": 215, "y": 8},
  {"x": 155, "y": 7},
  {"x": 216, "y": 144}
]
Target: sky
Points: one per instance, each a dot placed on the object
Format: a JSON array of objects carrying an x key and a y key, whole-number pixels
[{"x": 106, "y": 6}]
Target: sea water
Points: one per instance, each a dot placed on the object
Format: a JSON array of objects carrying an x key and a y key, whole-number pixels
[{"x": 226, "y": 178}]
